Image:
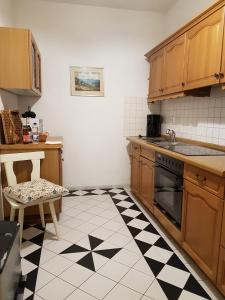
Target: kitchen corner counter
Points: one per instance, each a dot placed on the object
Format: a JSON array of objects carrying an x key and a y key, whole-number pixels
[{"x": 213, "y": 164}]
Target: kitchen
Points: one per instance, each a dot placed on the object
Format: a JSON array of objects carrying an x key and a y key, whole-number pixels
[{"x": 101, "y": 141}]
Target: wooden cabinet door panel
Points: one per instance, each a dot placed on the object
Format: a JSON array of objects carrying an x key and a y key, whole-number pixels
[
  {"x": 202, "y": 227},
  {"x": 173, "y": 72},
  {"x": 156, "y": 69},
  {"x": 203, "y": 51},
  {"x": 221, "y": 272},
  {"x": 135, "y": 174},
  {"x": 147, "y": 182}
]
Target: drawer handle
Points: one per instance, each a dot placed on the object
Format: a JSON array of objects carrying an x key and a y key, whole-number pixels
[{"x": 200, "y": 178}]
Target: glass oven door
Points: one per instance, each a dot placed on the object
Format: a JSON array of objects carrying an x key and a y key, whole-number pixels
[{"x": 169, "y": 192}]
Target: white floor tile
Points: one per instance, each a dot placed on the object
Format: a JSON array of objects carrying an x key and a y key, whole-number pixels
[
  {"x": 87, "y": 227},
  {"x": 31, "y": 232},
  {"x": 56, "y": 289},
  {"x": 140, "y": 224},
  {"x": 185, "y": 295},
  {"x": 80, "y": 295},
  {"x": 27, "y": 266},
  {"x": 109, "y": 214},
  {"x": 131, "y": 213},
  {"x": 102, "y": 233},
  {"x": 97, "y": 220},
  {"x": 74, "y": 236},
  {"x": 119, "y": 240},
  {"x": 62, "y": 229},
  {"x": 84, "y": 216},
  {"x": 28, "y": 247},
  {"x": 75, "y": 257},
  {"x": 113, "y": 270},
  {"x": 127, "y": 257},
  {"x": 155, "y": 292},
  {"x": 122, "y": 203},
  {"x": 118, "y": 219},
  {"x": 43, "y": 278},
  {"x": 112, "y": 225},
  {"x": 27, "y": 293},
  {"x": 116, "y": 191},
  {"x": 147, "y": 237},
  {"x": 174, "y": 276},
  {"x": 72, "y": 212},
  {"x": 76, "y": 275},
  {"x": 120, "y": 197},
  {"x": 132, "y": 246},
  {"x": 73, "y": 223},
  {"x": 143, "y": 267},
  {"x": 46, "y": 255},
  {"x": 98, "y": 286},
  {"x": 99, "y": 260},
  {"x": 57, "y": 265},
  {"x": 124, "y": 231},
  {"x": 159, "y": 254},
  {"x": 137, "y": 281},
  {"x": 123, "y": 293},
  {"x": 95, "y": 210},
  {"x": 58, "y": 246}
]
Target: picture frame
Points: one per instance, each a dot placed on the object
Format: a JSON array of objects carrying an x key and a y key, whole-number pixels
[{"x": 87, "y": 81}]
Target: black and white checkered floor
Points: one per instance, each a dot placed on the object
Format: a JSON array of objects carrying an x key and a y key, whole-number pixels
[{"x": 109, "y": 249}]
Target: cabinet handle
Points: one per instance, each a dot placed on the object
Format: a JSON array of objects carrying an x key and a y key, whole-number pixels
[
  {"x": 161, "y": 90},
  {"x": 221, "y": 74},
  {"x": 200, "y": 178},
  {"x": 216, "y": 75},
  {"x": 183, "y": 84}
]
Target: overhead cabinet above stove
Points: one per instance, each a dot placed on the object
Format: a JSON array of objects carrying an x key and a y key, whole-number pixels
[
  {"x": 20, "y": 62},
  {"x": 191, "y": 60}
]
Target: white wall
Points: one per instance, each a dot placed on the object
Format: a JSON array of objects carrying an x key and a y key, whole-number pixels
[
  {"x": 182, "y": 12},
  {"x": 71, "y": 35},
  {"x": 7, "y": 100}
]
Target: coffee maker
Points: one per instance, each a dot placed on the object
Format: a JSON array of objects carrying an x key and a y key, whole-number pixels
[{"x": 153, "y": 126}]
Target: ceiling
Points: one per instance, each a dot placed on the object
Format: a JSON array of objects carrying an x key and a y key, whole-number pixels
[{"x": 141, "y": 5}]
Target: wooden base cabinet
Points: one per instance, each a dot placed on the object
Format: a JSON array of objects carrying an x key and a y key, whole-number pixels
[
  {"x": 202, "y": 222},
  {"x": 146, "y": 191},
  {"x": 142, "y": 175},
  {"x": 221, "y": 271}
]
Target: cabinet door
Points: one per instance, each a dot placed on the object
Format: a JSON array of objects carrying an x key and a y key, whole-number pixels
[
  {"x": 156, "y": 70},
  {"x": 35, "y": 66},
  {"x": 135, "y": 174},
  {"x": 202, "y": 227},
  {"x": 173, "y": 72},
  {"x": 146, "y": 182},
  {"x": 221, "y": 272},
  {"x": 203, "y": 51}
]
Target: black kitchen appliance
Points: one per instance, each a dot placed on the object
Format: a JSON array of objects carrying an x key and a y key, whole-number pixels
[
  {"x": 10, "y": 261},
  {"x": 168, "y": 191},
  {"x": 153, "y": 126}
]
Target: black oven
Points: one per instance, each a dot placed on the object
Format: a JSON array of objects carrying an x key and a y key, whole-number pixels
[{"x": 168, "y": 193}]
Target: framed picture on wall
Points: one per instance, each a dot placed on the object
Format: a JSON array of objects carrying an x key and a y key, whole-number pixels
[{"x": 85, "y": 81}]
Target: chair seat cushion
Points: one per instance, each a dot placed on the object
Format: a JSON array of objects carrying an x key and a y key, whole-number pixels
[{"x": 39, "y": 189}]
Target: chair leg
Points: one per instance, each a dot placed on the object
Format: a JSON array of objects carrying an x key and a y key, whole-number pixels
[
  {"x": 41, "y": 210},
  {"x": 21, "y": 216},
  {"x": 52, "y": 210},
  {"x": 12, "y": 214}
]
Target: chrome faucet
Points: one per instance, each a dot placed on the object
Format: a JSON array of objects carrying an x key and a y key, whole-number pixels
[{"x": 172, "y": 135}]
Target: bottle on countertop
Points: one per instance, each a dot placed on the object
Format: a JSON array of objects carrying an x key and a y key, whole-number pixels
[
  {"x": 27, "y": 134},
  {"x": 35, "y": 133}
]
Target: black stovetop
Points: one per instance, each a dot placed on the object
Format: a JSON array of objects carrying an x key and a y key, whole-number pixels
[{"x": 182, "y": 148}]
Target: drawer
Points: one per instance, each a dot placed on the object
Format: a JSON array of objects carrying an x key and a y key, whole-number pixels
[
  {"x": 206, "y": 180},
  {"x": 147, "y": 153},
  {"x": 135, "y": 150}
]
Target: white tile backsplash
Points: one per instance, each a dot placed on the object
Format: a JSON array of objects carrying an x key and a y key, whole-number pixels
[
  {"x": 136, "y": 110},
  {"x": 197, "y": 118}
]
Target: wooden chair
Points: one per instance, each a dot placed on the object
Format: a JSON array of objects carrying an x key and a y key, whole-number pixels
[{"x": 35, "y": 157}]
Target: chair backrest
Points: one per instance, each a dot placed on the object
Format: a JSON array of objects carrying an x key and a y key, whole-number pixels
[{"x": 9, "y": 159}]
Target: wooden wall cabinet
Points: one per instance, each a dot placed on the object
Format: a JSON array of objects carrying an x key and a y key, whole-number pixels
[
  {"x": 203, "y": 51},
  {"x": 191, "y": 60},
  {"x": 20, "y": 62},
  {"x": 156, "y": 72},
  {"x": 173, "y": 71},
  {"x": 202, "y": 227}
]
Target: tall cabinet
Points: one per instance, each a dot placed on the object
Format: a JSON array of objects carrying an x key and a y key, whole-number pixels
[{"x": 20, "y": 61}]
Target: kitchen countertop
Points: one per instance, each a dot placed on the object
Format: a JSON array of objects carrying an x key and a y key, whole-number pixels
[{"x": 213, "y": 164}]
